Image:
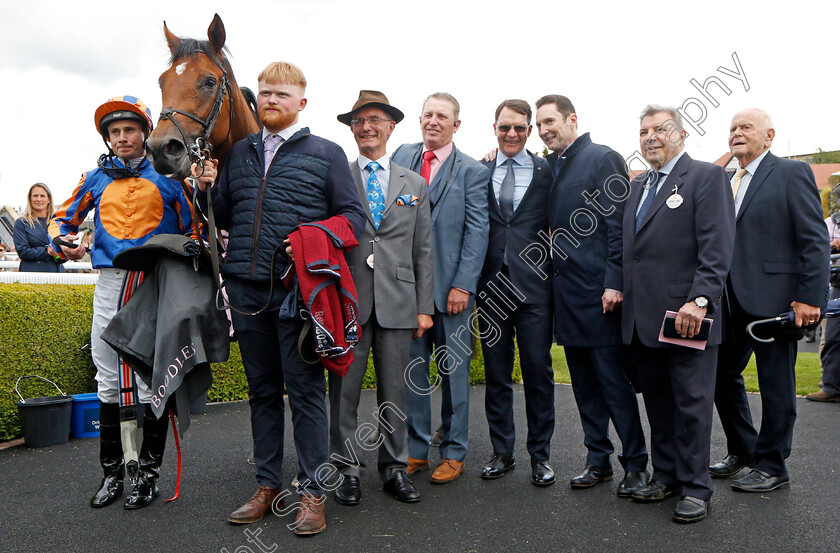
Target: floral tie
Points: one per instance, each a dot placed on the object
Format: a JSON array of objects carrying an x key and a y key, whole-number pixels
[{"x": 374, "y": 194}]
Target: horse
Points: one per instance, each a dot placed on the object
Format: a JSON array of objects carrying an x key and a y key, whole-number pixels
[{"x": 203, "y": 109}]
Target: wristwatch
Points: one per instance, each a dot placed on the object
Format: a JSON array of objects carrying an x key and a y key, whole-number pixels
[{"x": 701, "y": 301}]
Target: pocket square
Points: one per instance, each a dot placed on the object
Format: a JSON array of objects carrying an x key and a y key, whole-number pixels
[{"x": 408, "y": 199}]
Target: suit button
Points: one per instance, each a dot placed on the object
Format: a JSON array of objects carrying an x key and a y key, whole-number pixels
[
  {"x": 557, "y": 272},
  {"x": 635, "y": 260},
  {"x": 507, "y": 226}
]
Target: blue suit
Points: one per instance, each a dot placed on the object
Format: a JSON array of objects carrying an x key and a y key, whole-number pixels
[
  {"x": 31, "y": 244},
  {"x": 458, "y": 199},
  {"x": 676, "y": 255},
  {"x": 514, "y": 299},
  {"x": 593, "y": 178},
  {"x": 781, "y": 255}
]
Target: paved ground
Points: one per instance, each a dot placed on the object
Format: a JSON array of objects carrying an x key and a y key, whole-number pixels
[{"x": 44, "y": 494}]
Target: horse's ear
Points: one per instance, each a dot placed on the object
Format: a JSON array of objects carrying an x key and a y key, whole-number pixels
[
  {"x": 173, "y": 41},
  {"x": 216, "y": 34}
]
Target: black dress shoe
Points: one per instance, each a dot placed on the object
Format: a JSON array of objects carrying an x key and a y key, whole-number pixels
[
  {"x": 632, "y": 481},
  {"x": 143, "y": 493},
  {"x": 349, "y": 492},
  {"x": 541, "y": 473},
  {"x": 759, "y": 481},
  {"x": 653, "y": 492},
  {"x": 110, "y": 489},
  {"x": 731, "y": 466},
  {"x": 691, "y": 509},
  {"x": 401, "y": 488},
  {"x": 497, "y": 466},
  {"x": 590, "y": 476}
]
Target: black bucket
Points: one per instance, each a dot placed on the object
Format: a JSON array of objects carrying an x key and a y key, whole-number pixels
[{"x": 45, "y": 421}]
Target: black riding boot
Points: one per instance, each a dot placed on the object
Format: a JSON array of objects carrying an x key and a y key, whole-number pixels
[
  {"x": 151, "y": 457},
  {"x": 110, "y": 456}
]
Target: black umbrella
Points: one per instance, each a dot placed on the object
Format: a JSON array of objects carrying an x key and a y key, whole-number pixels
[{"x": 788, "y": 321}]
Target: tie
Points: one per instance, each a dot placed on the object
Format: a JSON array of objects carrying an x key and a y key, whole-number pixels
[
  {"x": 374, "y": 194},
  {"x": 426, "y": 167},
  {"x": 558, "y": 165},
  {"x": 736, "y": 182},
  {"x": 270, "y": 145},
  {"x": 506, "y": 192},
  {"x": 651, "y": 186}
]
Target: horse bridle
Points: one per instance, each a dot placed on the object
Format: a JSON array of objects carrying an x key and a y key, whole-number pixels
[
  {"x": 201, "y": 150},
  {"x": 202, "y": 146}
]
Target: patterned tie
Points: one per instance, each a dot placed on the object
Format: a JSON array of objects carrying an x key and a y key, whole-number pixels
[
  {"x": 506, "y": 192},
  {"x": 651, "y": 187},
  {"x": 426, "y": 167},
  {"x": 374, "y": 194},
  {"x": 272, "y": 142},
  {"x": 736, "y": 182}
]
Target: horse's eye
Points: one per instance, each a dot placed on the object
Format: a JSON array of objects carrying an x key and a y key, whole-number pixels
[{"x": 210, "y": 82}]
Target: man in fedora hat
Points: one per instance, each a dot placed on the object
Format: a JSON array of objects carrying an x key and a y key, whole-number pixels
[{"x": 392, "y": 269}]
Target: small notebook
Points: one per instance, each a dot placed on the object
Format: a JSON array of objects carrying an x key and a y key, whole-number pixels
[{"x": 668, "y": 333}]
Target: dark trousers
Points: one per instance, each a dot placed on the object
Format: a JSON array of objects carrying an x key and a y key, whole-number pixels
[
  {"x": 269, "y": 353},
  {"x": 603, "y": 392},
  {"x": 775, "y": 363},
  {"x": 530, "y": 324},
  {"x": 830, "y": 355},
  {"x": 678, "y": 385},
  {"x": 390, "y": 357}
]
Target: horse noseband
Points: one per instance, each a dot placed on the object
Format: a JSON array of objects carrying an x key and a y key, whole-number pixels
[{"x": 202, "y": 143}]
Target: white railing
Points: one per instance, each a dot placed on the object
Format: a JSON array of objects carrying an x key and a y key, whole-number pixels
[
  {"x": 69, "y": 277},
  {"x": 69, "y": 266}
]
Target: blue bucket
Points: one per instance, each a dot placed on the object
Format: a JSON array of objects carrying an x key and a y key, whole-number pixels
[{"x": 84, "y": 421}]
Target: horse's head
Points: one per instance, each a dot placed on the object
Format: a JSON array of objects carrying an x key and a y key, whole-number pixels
[{"x": 197, "y": 101}]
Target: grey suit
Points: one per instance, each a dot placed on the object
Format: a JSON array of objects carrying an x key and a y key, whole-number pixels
[
  {"x": 460, "y": 226},
  {"x": 391, "y": 295}
]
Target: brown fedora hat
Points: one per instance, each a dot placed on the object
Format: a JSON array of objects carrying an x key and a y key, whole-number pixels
[{"x": 372, "y": 98}]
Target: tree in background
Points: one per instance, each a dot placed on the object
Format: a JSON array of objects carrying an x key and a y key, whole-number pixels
[{"x": 826, "y": 157}]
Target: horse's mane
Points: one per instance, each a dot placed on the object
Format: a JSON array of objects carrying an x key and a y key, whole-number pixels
[{"x": 190, "y": 47}]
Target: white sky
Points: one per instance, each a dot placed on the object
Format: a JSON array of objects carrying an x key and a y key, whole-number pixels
[{"x": 60, "y": 60}]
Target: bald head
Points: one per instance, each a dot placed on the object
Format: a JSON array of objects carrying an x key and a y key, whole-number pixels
[{"x": 750, "y": 135}]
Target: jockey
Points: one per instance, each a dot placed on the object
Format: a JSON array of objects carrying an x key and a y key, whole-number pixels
[{"x": 132, "y": 203}]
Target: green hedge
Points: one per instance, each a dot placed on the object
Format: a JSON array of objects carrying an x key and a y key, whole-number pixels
[
  {"x": 229, "y": 381},
  {"x": 44, "y": 330}
]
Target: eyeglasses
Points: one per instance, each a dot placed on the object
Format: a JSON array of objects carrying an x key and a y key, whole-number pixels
[
  {"x": 504, "y": 129},
  {"x": 373, "y": 120}
]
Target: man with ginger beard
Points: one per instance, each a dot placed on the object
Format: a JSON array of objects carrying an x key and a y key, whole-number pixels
[{"x": 271, "y": 182}]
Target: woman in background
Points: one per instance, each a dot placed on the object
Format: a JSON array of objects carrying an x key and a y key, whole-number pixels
[{"x": 30, "y": 233}]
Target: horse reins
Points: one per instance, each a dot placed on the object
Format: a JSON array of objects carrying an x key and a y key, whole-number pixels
[{"x": 199, "y": 151}]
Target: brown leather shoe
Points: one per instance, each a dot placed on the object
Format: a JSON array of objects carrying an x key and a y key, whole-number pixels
[
  {"x": 823, "y": 396},
  {"x": 257, "y": 507},
  {"x": 447, "y": 471},
  {"x": 416, "y": 465},
  {"x": 310, "y": 517}
]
